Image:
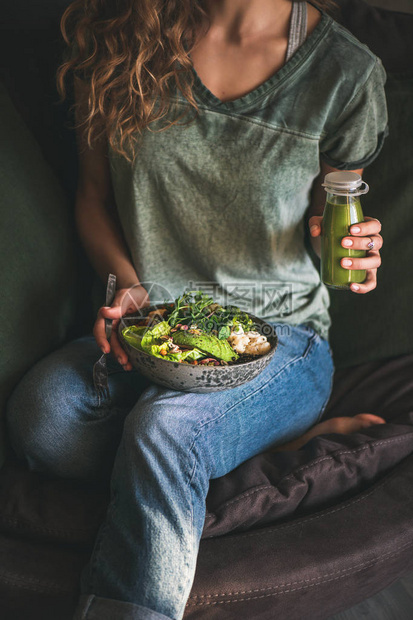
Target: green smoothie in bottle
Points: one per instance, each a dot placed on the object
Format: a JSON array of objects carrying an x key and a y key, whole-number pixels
[{"x": 342, "y": 210}]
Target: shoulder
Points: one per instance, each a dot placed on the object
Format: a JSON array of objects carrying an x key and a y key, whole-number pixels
[
  {"x": 355, "y": 113},
  {"x": 345, "y": 56},
  {"x": 342, "y": 71}
]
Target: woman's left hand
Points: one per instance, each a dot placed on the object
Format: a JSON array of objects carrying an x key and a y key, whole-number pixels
[{"x": 361, "y": 237}]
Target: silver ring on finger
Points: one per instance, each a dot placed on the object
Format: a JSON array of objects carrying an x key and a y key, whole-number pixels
[{"x": 371, "y": 244}]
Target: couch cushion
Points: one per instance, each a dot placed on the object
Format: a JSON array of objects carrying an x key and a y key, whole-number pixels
[
  {"x": 30, "y": 52},
  {"x": 40, "y": 508},
  {"x": 314, "y": 566},
  {"x": 329, "y": 469},
  {"x": 38, "y": 275}
]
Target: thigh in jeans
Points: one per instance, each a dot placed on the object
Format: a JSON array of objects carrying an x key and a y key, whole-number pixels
[
  {"x": 280, "y": 404},
  {"x": 55, "y": 420}
]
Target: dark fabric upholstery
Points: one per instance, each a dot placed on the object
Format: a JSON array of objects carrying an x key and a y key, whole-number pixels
[
  {"x": 278, "y": 572},
  {"x": 37, "y": 254},
  {"x": 281, "y": 485},
  {"x": 314, "y": 566},
  {"x": 357, "y": 336},
  {"x": 386, "y": 32}
]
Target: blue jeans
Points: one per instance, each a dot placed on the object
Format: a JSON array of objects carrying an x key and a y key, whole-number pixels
[{"x": 161, "y": 448}]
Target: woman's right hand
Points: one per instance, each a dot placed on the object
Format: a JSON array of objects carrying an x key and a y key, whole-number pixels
[{"x": 126, "y": 301}]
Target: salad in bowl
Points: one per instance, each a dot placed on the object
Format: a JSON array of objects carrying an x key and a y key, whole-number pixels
[{"x": 196, "y": 344}]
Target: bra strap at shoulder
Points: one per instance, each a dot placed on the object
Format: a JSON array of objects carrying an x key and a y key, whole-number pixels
[{"x": 298, "y": 28}]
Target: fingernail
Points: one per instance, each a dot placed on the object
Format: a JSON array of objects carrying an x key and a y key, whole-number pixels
[
  {"x": 313, "y": 228},
  {"x": 347, "y": 262},
  {"x": 103, "y": 349},
  {"x": 355, "y": 287},
  {"x": 355, "y": 229},
  {"x": 120, "y": 360},
  {"x": 347, "y": 242}
]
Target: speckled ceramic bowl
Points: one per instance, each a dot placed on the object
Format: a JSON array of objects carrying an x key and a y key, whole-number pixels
[{"x": 190, "y": 378}]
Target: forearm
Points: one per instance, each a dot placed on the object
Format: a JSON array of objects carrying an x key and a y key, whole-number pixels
[{"x": 103, "y": 241}]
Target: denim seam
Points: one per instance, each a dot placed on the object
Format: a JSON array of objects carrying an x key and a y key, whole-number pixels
[
  {"x": 99, "y": 540},
  {"x": 330, "y": 391},
  {"x": 191, "y": 510},
  {"x": 190, "y": 490}
]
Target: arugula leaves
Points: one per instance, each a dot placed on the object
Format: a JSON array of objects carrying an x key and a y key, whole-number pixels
[{"x": 197, "y": 308}]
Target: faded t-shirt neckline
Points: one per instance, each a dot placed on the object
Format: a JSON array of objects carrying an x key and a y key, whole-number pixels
[{"x": 275, "y": 81}]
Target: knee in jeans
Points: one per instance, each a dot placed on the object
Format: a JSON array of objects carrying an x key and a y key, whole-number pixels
[
  {"x": 37, "y": 416},
  {"x": 152, "y": 423},
  {"x": 24, "y": 412},
  {"x": 142, "y": 425}
]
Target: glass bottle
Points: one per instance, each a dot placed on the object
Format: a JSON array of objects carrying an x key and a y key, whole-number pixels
[{"x": 342, "y": 210}]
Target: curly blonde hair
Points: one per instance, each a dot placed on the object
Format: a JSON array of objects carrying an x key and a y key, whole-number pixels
[{"x": 133, "y": 54}]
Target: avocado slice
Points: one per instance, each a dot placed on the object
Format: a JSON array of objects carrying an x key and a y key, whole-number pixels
[{"x": 207, "y": 343}]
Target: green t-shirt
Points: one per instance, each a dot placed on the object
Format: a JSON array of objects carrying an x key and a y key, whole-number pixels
[{"x": 219, "y": 203}]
